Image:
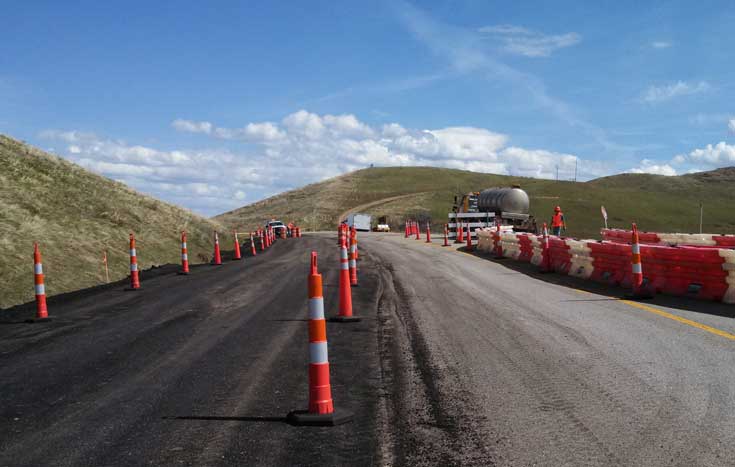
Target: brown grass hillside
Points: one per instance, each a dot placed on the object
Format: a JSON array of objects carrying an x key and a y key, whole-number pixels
[{"x": 75, "y": 215}]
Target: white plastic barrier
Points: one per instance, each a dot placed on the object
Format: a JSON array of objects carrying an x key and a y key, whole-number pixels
[{"x": 729, "y": 266}]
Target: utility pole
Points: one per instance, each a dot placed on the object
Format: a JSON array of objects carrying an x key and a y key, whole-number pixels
[{"x": 701, "y": 212}]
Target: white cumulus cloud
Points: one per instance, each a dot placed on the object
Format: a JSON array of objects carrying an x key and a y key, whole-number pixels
[
  {"x": 648, "y": 166},
  {"x": 304, "y": 147},
  {"x": 669, "y": 91},
  {"x": 718, "y": 155}
]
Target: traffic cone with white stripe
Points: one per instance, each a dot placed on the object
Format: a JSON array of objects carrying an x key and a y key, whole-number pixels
[
  {"x": 344, "y": 314},
  {"x": 354, "y": 242},
  {"x": 446, "y": 235},
  {"x": 262, "y": 240},
  {"x": 217, "y": 255},
  {"x": 238, "y": 255},
  {"x": 252, "y": 245},
  {"x": 352, "y": 257},
  {"x": 321, "y": 410},
  {"x": 640, "y": 289},
  {"x": 417, "y": 230},
  {"x": 184, "y": 255},
  {"x": 38, "y": 279},
  {"x": 134, "y": 274},
  {"x": 460, "y": 230}
]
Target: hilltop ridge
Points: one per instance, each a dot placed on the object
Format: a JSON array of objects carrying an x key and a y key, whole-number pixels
[{"x": 656, "y": 202}]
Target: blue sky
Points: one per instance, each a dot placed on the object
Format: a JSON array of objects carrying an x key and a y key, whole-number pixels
[{"x": 212, "y": 106}]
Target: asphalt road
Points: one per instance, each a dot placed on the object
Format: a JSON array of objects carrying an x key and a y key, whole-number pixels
[
  {"x": 195, "y": 370},
  {"x": 459, "y": 360},
  {"x": 518, "y": 368}
]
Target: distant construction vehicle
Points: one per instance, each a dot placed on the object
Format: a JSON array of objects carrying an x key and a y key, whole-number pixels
[{"x": 482, "y": 208}]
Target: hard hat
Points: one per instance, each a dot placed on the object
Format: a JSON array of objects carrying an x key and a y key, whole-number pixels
[{"x": 557, "y": 209}]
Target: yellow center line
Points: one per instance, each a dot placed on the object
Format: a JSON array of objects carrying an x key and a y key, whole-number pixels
[
  {"x": 647, "y": 308},
  {"x": 688, "y": 322}
]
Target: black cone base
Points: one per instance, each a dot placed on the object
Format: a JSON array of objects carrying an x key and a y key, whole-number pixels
[
  {"x": 39, "y": 320},
  {"x": 344, "y": 319},
  {"x": 304, "y": 418}
]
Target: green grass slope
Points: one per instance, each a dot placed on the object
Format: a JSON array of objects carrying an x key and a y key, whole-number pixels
[
  {"x": 75, "y": 215},
  {"x": 656, "y": 202}
]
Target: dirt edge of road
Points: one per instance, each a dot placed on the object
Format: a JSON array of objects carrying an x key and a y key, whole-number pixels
[{"x": 416, "y": 424}]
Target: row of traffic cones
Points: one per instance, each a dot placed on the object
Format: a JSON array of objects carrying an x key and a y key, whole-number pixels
[
  {"x": 321, "y": 411},
  {"x": 266, "y": 236}
]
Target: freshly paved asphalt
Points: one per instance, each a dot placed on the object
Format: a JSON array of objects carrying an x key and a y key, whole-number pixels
[
  {"x": 527, "y": 369},
  {"x": 459, "y": 360}
]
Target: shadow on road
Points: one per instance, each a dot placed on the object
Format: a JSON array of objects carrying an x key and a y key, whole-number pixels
[
  {"x": 612, "y": 291},
  {"x": 228, "y": 419}
]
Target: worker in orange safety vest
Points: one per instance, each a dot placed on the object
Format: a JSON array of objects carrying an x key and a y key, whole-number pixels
[{"x": 557, "y": 222}]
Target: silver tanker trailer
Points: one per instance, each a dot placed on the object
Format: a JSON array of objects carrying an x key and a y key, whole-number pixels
[{"x": 481, "y": 209}]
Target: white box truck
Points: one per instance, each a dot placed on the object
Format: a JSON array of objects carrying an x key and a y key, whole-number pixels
[{"x": 360, "y": 221}]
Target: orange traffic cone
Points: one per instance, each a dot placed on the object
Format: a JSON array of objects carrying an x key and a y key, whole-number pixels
[
  {"x": 353, "y": 257},
  {"x": 252, "y": 245},
  {"x": 354, "y": 242},
  {"x": 459, "y": 229},
  {"x": 217, "y": 255},
  {"x": 321, "y": 407},
  {"x": 640, "y": 290},
  {"x": 134, "y": 274},
  {"x": 41, "y": 309},
  {"x": 345, "y": 291},
  {"x": 446, "y": 235},
  {"x": 238, "y": 255},
  {"x": 184, "y": 255}
]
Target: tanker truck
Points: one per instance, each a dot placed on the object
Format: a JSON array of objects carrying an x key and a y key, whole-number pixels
[{"x": 482, "y": 208}]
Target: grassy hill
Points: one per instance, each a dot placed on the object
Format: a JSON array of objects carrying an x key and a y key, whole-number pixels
[
  {"x": 75, "y": 215},
  {"x": 656, "y": 202}
]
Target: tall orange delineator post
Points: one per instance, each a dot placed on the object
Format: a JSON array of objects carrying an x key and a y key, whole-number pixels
[
  {"x": 460, "y": 230},
  {"x": 40, "y": 288},
  {"x": 252, "y": 245},
  {"x": 321, "y": 410},
  {"x": 217, "y": 255},
  {"x": 134, "y": 274},
  {"x": 352, "y": 257},
  {"x": 184, "y": 255},
  {"x": 354, "y": 242},
  {"x": 344, "y": 314},
  {"x": 640, "y": 291},
  {"x": 238, "y": 255},
  {"x": 446, "y": 235},
  {"x": 417, "y": 229}
]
